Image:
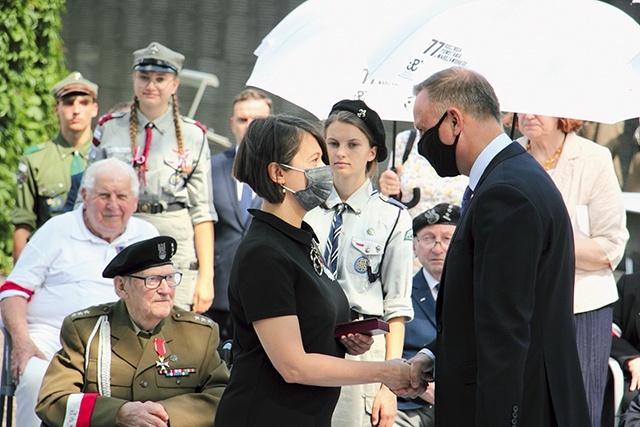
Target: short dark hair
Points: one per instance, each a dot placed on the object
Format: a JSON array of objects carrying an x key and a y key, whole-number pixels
[
  {"x": 271, "y": 139},
  {"x": 462, "y": 88},
  {"x": 252, "y": 95}
]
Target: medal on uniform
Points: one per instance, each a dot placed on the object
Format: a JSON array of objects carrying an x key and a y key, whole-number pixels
[{"x": 161, "y": 350}]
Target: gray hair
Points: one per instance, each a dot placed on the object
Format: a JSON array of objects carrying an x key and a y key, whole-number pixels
[
  {"x": 110, "y": 166},
  {"x": 462, "y": 88}
]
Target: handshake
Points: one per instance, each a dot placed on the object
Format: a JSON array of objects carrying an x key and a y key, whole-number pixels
[{"x": 410, "y": 378}]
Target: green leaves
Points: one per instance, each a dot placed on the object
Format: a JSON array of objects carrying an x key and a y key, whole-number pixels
[{"x": 31, "y": 61}]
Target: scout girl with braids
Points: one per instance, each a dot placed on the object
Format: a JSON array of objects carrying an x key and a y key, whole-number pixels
[{"x": 171, "y": 155}]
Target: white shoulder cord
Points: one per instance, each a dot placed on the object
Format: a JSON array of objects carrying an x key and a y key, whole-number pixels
[{"x": 104, "y": 355}]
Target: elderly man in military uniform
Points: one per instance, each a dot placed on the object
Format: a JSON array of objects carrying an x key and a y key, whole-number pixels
[
  {"x": 59, "y": 273},
  {"x": 138, "y": 361},
  {"x": 44, "y": 172}
]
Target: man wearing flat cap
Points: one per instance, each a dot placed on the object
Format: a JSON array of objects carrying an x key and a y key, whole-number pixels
[
  {"x": 138, "y": 361},
  {"x": 44, "y": 172},
  {"x": 432, "y": 232}
]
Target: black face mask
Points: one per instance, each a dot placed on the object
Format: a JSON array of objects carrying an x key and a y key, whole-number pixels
[{"x": 442, "y": 157}]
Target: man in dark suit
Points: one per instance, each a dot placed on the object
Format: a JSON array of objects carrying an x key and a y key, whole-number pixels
[
  {"x": 506, "y": 351},
  {"x": 432, "y": 231},
  {"x": 232, "y": 199}
]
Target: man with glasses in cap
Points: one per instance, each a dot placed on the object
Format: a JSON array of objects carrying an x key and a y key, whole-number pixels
[
  {"x": 44, "y": 172},
  {"x": 432, "y": 233},
  {"x": 138, "y": 361}
]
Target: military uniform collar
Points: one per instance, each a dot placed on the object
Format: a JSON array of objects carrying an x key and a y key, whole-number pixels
[
  {"x": 162, "y": 123},
  {"x": 358, "y": 200},
  {"x": 63, "y": 144},
  {"x": 304, "y": 234}
]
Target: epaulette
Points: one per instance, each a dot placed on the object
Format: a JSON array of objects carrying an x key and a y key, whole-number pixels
[
  {"x": 391, "y": 201},
  {"x": 194, "y": 122},
  {"x": 94, "y": 311},
  {"x": 189, "y": 316},
  {"x": 110, "y": 116},
  {"x": 35, "y": 148}
]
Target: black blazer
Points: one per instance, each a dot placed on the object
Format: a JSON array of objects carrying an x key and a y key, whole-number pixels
[
  {"x": 626, "y": 314},
  {"x": 506, "y": 347},
  {"x": 229, "y": 229}
]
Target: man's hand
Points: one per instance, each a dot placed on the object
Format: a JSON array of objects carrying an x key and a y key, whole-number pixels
[
  {"x": 389, "y": 182},
  {"x": 139, "y": 414},
  {"x": 385, "y": 407},
  {"x": 634, "y": 369},
  {"x": 23, "y": 350},
  {"x": 421, "y": 374},
  {"x": 203, "y": 295},
  {"x": 357, "y": 344}
]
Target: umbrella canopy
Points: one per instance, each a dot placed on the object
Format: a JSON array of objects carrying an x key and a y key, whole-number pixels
[
  {"x": 571, "y": 58},
  {"x": 319, "y": 54}
]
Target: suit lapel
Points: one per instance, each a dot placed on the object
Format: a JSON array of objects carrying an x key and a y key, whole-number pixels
[
  {"x": 421, "y": 293},
  {"x": 231, "y": 185}
]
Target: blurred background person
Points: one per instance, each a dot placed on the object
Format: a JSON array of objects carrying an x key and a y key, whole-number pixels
[
  {"x": 171, "y": 154},
  {"x": 432, "y": 233},
  {"x": 366, "y": 241},
  {"x": 231, "y": 199},
  {"x": 584, "y": 174},
  {"x": 59, "y": 272},
  {"x": 44, "y": 172},
  {"x": 284, "y": 302}
]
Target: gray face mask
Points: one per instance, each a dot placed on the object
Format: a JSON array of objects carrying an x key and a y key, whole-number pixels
[{"x": 318, "y": 190}]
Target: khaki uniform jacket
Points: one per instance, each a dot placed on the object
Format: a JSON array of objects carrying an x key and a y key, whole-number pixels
[
  {"x": 191, "y": 343},
  {"x": 43, "y": 181}
]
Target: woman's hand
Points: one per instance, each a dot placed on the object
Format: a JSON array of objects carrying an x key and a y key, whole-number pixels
[
  {"x": 357, "y": 344},
  {"x": 202, "y": 295},
  {"x": 385, "y": 407}
]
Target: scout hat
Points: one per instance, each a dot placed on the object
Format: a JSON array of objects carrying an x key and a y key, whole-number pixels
[
  {"x": 142, "y": 255},
  {"x": 444, "y": 213},
  {"x": 157, "y": 57},
  {"x": 371, "y": 120},
  {"x": 74, "y": 83}
]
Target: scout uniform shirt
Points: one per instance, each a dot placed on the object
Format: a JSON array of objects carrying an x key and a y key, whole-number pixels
[
  {"x": 44, "y": 178},
  {"x": 179, "y": 368}
]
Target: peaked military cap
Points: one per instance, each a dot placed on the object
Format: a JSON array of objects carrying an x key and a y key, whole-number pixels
[
  {"x": 444, "y": 213},
  {"x": 157, "y": 57},
  {"x": 74, "y": 83},
  {"x": 142, "y": 255},
  {"x": 371, "y": 120}
]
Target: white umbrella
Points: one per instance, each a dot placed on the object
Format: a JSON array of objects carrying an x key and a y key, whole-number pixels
[
  {"x": 568, "y": 58},
  {"x": 318, "y": 54}
]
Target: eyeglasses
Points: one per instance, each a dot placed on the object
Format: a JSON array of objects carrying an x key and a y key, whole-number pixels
[
  {"x": 160, "y": 82},
  {"x": 154, "y": 281},
  {"x": 429, "y": 242}
]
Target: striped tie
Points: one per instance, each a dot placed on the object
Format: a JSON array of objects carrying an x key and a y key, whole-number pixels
[
  {"x": 466, "y": 197},
  {"x": 331, "y": 253}
]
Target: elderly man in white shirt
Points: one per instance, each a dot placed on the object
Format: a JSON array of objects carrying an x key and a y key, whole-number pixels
[{"x": 59, "y": 272}]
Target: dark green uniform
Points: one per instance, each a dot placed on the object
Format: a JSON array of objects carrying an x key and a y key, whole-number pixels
[
  {"x": 43, "y": 180},
  {"x": 189, "y": 387}
]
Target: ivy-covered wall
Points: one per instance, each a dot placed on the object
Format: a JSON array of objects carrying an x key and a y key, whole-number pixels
[{"x": 31, "y": 61}]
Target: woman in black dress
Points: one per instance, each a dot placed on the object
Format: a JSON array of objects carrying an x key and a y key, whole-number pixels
[{"x": 288, "y": 366}]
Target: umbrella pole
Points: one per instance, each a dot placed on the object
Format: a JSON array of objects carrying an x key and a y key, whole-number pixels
[
  {"x": 513, "y": 126},
  {"x": 394, "y": 128}
]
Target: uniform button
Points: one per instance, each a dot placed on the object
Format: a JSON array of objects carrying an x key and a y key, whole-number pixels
[
  {"x": 178, "y": 315},
  {"x": 178, "y": 381},
  {"x": 105, "y": 309},
  {"x": 515, "y": 408},
  {"x": 367, "y": 250},
  {"x": 144, "y": 384}
]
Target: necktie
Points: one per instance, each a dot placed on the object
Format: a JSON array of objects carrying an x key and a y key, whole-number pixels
[
  {"x": 333, "y": 240},
  {"x": 435, "y": 290},
  {"x": 245, "y": 202},
  {"x": 77, "y": 163},
  {"x": 468, "y": 192}
]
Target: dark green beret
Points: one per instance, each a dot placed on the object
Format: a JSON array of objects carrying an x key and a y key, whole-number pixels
[
  {"x": 74, "y": 83},
  {"x": 444, "y": 213},
  {"x": 157, "y": 57},
  {"x": 371, "y": 120},
  {"x": 142, "y": 255}
]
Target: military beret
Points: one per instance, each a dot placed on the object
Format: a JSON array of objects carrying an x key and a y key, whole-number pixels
[
  {"x": 444, "y": 213},
  {"x": 371, "y": 120},
  {"x": 142, "y": 255},
  {"x": 74, "y": 83},
  {"x": 157, "y": 57}
]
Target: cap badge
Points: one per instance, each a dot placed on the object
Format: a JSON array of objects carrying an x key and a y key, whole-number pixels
[
  {"x": 162, "y": 250},
  {"x": 431, "y": 216},
  {"x": 154, "y": 50},
  {"x": 362, "y": 113},
  {"x": 77, "y": 76}
]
